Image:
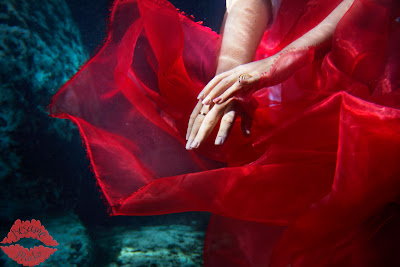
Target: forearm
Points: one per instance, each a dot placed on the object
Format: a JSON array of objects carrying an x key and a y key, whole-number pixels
[
  {"x": 323, "y": 32},
  {"x": 244, "y": 24}
]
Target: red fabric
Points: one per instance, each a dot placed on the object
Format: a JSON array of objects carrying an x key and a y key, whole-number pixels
[{"x": 317, "y": 183}]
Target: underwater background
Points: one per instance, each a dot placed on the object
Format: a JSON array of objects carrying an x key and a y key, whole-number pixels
[{"x": 44, "y": 172}]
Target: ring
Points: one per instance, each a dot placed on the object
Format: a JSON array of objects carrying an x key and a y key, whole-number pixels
[
  {"x": 202, "y": 113},
  {"x": 244, "y": 76}
]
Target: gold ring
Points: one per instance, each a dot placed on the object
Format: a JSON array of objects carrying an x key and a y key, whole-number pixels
[
  {"x": 244, "y": 76},
  {"x": 202, "y": 113}
]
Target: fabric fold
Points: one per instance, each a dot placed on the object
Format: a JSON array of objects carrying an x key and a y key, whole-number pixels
[{"x": 317, "y": 182}]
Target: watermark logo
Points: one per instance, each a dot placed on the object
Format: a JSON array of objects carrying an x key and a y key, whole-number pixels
[{"x": 28, "y": 229}]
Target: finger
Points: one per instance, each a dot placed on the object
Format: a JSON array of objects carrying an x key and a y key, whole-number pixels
[
  {"x": 194, "y": 130},
  {"x": 253, "y": 80},
  {"x": 242, "y": 85},
  {"x": 227, "y": 122},
  {"x": 195, "y": 127},
  {"x": 207, "y": 125},
  {"x": 193, "y": 117},
  {"x": 236, "y": 87},
  {"x": 212, "y": 84},
  {"x": 224, "y": 85}
]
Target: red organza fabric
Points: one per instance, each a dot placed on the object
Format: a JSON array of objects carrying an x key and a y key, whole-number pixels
[{"x": 318, "y": 181}]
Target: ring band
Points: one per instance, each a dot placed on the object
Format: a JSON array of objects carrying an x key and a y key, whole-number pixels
[
  {"x": 244, "y": 76},
  {"x": 202, "y": 113}
]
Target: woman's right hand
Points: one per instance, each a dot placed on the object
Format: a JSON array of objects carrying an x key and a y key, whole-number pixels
[{"x": 205, "y": 117}]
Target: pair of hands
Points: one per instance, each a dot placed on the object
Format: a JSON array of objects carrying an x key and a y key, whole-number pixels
[{"x": 221, "y": 98}]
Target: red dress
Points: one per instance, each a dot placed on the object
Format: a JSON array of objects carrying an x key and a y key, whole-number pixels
[{"x": 318, "y": 181}]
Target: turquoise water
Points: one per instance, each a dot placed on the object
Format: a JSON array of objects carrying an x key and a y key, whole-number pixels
[{"x": 44, "y": 172}]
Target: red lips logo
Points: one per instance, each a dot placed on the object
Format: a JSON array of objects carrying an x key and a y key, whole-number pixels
[{"x": 33, "y": 256}]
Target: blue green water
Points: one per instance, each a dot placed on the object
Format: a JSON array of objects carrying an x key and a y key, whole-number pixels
[{"x": 44, "y": 172}]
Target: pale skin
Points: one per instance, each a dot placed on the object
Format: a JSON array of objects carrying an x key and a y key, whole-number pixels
[{"x": 244, "y": 24}]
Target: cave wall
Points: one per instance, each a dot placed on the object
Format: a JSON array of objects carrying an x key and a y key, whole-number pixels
[{"x": 40, "y": 49}]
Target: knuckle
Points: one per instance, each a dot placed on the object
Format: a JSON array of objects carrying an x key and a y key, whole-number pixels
[
  {"x": 225, "y": 80},
  {"x": 228, "y": 119},
  {"x": 208, "y": 123}
]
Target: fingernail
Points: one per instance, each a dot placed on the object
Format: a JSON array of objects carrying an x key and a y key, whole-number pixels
[
  {"x": 188, "y": 145},
  {"x": 218, "y": 141},
  {"x": 217, "y": 100},
  {"x": 200, "y": 96},
  {"x": 187, "y": 136},
  {"x": 206, "y": 101},
  {"x": 195, "y": 144}
]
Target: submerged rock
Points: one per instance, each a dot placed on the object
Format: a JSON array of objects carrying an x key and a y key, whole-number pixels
[
  {"x": 167, "y": 245},
  {"x": 40, "y": 49}
]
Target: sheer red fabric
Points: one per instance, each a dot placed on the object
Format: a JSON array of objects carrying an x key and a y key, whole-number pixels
[{"x": 318, "y": 181}]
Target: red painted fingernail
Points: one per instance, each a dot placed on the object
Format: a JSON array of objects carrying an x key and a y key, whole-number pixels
[
  {"x": 206, "y": 101},
  {"x": 217, "y": 100}
]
